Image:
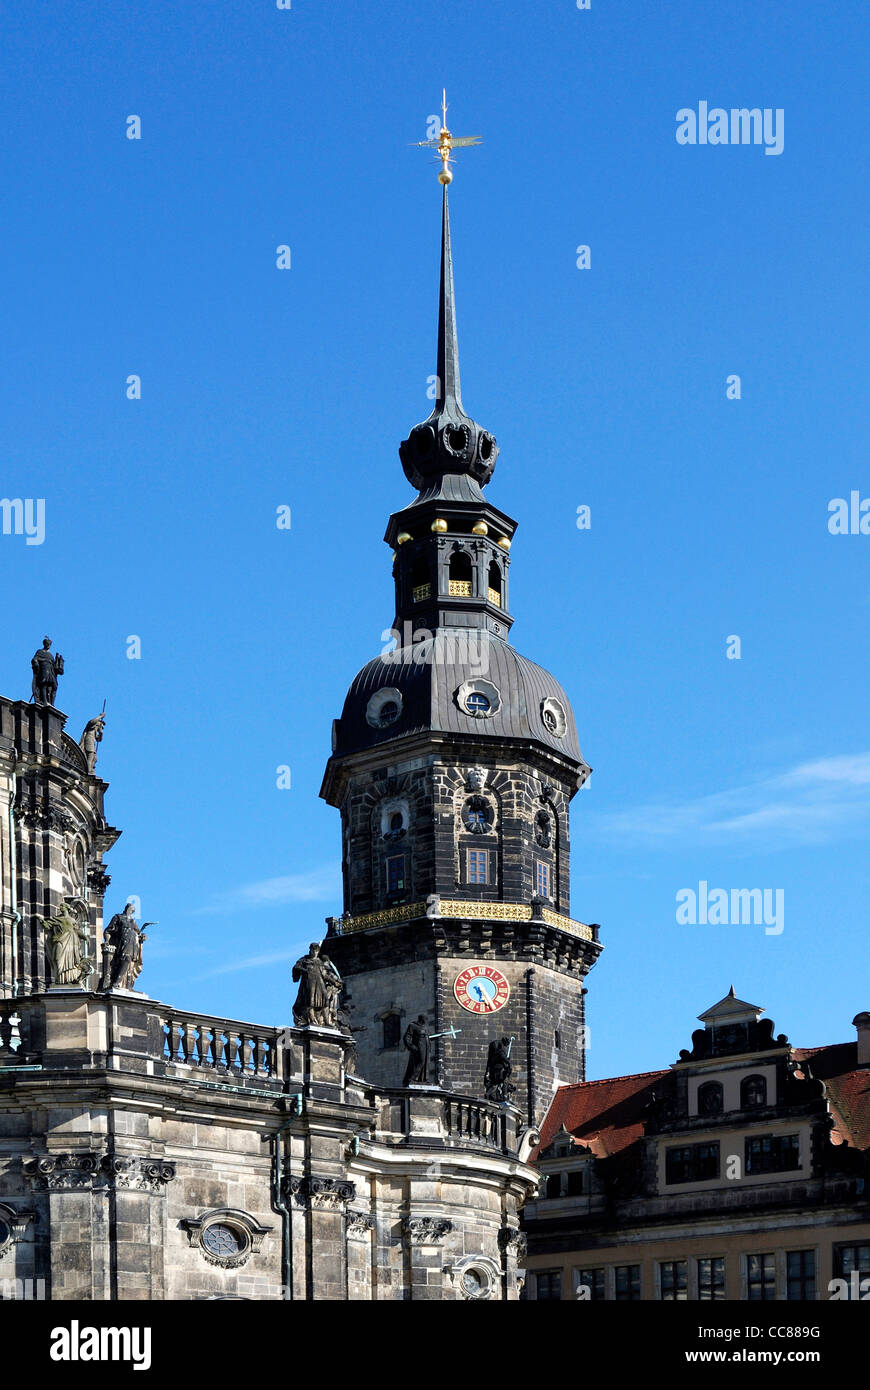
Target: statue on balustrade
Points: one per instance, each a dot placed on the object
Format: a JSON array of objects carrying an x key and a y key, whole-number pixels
[
  {"x": 416, "y": 1040},
  {"x": 496, "y": 1082},
  {"x": 319, "y": 988},
  {"x": 91, "y": 736},
  {"x": 46, "y": 668},
  {"x": 66, "y": 938},
  {"x": 122, "y": 950}
]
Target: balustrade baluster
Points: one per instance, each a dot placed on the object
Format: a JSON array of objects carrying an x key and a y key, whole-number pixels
[{"x": 174, "y": 1039}]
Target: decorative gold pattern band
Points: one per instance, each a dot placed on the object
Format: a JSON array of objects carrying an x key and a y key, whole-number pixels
[{"x": 476, "y": 911}]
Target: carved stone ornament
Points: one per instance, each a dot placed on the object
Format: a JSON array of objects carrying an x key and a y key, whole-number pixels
[
  {"x": 84, "y": 1171},
  {"x": 426, "y": 1230},
  {"x": 360, "y": 1225},
  {"x": 475, "y": 780},
  {"x": 543, "y": 829},
  {"x": 225, "y": 1236},
  {"x": 330, "y": 1193},
  {"x": 13, "y": 1224},
  {"x": 513, "y": 1242},
  {"x": 53, "y": 816},
  {"x": 98, "y": 878}
]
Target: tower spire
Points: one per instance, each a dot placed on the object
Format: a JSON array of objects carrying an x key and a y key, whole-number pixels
[
  {"x": 448, "y": 343},
  {"x": 449, "y": 442}
]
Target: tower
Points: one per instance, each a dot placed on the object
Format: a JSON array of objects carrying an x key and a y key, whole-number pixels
[
  {"x": 53, "y": 836},
  {"x": 453, "y": 766}
]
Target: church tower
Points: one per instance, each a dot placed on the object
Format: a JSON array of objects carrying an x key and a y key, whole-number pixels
[{"x": 454, "y": 764}]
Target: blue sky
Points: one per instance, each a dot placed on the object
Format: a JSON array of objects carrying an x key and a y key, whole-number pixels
[{"x": 604, "y": 387}]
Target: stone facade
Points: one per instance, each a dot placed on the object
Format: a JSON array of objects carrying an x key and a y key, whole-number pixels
[
  {"x": 146, "y": 1154},
  {"x": 53, "y": 835}
]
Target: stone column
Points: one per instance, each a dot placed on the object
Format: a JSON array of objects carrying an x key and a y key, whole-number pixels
[{"x": 424, "y": 1236}]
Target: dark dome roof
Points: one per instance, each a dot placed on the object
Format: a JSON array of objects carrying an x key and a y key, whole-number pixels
[{"x": 429, "y": 689}]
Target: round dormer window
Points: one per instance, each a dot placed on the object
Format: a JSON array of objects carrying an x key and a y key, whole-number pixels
[
  {"x": 384, "y": 707},
  {"x": 553, "y": 717},
  {"x": 478, "y": 698}
]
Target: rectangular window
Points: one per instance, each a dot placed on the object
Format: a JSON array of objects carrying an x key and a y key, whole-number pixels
[
  {"x": 542, "y": 879},
  {"x": 575, "y": 1182},
  {"x": 800, "y": 1275},
  {"x": 593, "y": 1281},
  {"x": 627, "y": 1284},
  {"x": 772, "y": 1153},
  {"x": 478, "y": 866},
  {"x": 396, "y": 873},
  {"x": 548, "y": 1284},
  {"x": 760, "y": 1278},
  {"x": 674, "y": 1281},
  {"x": 853, "y": 1260},
  {"x": 692, "y": 1163},
  {"x": 711, "y": 1280}
]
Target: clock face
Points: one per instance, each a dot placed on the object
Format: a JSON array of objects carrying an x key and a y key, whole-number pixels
[{"x": 481, "y": 989}]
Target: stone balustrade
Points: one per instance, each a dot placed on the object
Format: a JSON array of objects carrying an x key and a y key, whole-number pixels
[
  {"x": 470, "y": 1121},
  {"x": 220, "y": 1044}
]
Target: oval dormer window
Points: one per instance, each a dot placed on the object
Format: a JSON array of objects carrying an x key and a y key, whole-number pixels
[
  {"x": 384, "y": 707},
  {"x": 478, "y": 698}
]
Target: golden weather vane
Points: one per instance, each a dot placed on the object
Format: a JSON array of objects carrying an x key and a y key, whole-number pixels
[{"x": 446, "y": 143}]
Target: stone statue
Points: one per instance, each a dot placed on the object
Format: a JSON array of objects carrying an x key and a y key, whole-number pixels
[
  {"x": 46, "y": 669},
  {"x": 319, "y": 988},
  {"x": 496, "y": 1082},
  {"x": 416, "y": 1040},
  {"x": 343, "y": 1022},
  {"x": 66, "y": 946},
  {"x": 122, "y": 943},
  {"x": 91, "y": 736}
]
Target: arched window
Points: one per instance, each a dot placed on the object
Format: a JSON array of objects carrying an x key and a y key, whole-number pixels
[
  {"x": 494, "y": 591},
  {"x": 421, "y": 583},
  {"x": 460, "y": 575},
  {"x": 753, "y": 1092},
  {"x": 710, "y": 1098},
  {"x": 392, "y": 1030}
]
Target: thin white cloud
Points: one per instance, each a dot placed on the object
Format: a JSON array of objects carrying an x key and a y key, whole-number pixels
[
  {"x": 317, "y": 885},
  {"x": 251, "y": 963},
  {"x": 851, "y": 769},
  {"x": 807, "y": 804}
]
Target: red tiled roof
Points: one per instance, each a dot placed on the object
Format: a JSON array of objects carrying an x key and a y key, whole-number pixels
[
  {"x": 847, "y": 1087},
  {"x": 606, "y": 1115}
]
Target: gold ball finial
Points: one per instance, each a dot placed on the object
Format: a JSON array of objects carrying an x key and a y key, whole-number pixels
[
  {"x": 480, "y": 528},
  {"x": 445, "y": 176},
  {"x": 403, "y": 537},
  {"x": 504, "y": 542},
  {"x": 439, "y": 524}
]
